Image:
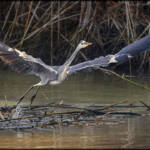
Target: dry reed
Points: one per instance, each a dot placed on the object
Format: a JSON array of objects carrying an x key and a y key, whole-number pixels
[{"x": 52, "y": 29}]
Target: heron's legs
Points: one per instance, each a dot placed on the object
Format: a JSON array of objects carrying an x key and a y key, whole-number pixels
[
  {"x": 22, "y": 97},
  {"x": 34, "y": 95}
]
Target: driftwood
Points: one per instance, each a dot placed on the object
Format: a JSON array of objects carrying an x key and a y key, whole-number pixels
[{"x": 49, "y": 115}]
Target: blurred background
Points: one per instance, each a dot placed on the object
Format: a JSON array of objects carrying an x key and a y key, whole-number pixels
[{"x": 51, "y": 30}]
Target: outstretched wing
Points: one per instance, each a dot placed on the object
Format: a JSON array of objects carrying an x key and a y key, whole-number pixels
[
  {"x": 129, "y": 51},
  {"x": 92, "y": 64},
  {"x": 22, "y": 62},
  {"x": 133, "y": 49}
]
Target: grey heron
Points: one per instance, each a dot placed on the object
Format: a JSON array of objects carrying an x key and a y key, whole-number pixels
[{"x": 22, "y": 62}]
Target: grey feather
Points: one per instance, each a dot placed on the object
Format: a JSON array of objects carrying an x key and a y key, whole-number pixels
[
  {"x": 134, "y": 49},
  {"x": 22, "y": 62},
  {"x": 125, "y": 53},
  {"x": 91, "y": 64}
]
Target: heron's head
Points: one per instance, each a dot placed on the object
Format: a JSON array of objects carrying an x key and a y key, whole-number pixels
[{"x": 83, "y": 44}]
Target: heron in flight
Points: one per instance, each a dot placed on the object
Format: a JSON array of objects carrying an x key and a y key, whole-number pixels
[{"x": 22, "y": 62}]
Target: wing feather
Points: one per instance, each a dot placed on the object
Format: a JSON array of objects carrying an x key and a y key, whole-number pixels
[
  {"x": 22, "y": 62},
  {"x": 128, "y": 51},
  {"x": 91, "y": 64}
]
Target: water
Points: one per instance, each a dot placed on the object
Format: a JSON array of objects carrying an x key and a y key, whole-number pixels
[{"x": 79, "y": 89}]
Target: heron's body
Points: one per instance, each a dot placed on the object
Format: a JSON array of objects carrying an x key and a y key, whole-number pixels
[
  {"x": 22, "y": 62},
  {"x": 60, "y": 76}
]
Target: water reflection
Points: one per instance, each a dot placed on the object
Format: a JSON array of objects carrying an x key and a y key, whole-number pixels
[
  {"x": 79, "y": 89},
  {"x": 133, "y": 133}
]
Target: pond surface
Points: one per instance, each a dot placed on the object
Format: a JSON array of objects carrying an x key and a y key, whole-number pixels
[{"x": 79, "y": 89}]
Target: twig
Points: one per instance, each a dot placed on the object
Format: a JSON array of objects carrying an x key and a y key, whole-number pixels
[
  {"x": 106, "y": 107},
  {"x": 148, "y": 107},
  {"x": 122, "y": 77}
]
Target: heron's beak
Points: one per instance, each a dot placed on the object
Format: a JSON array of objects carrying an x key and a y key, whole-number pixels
[{"x": 89, "y": 44}]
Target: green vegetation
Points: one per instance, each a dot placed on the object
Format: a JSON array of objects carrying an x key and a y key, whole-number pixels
[{"x": 51, "y": 30}]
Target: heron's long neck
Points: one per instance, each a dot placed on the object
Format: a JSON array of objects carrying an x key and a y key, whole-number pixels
[
  {"x": 69, "y": 61},
  {"x": 62, "y": 72}
]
